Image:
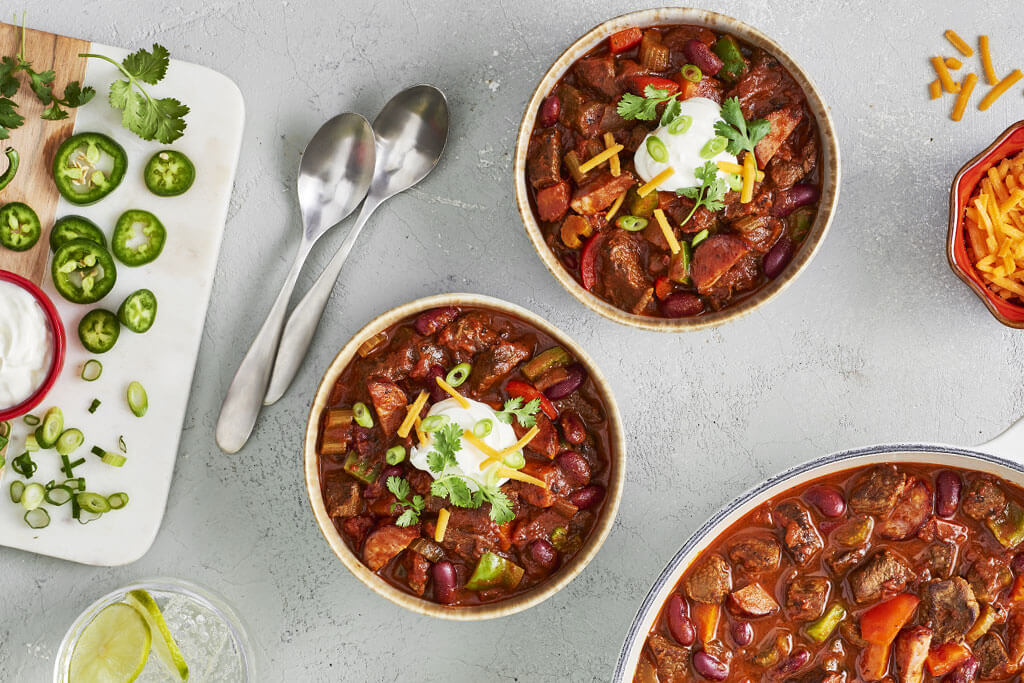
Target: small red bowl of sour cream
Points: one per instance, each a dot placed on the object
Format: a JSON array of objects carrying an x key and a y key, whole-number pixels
[{"x": 32, "y": 345}]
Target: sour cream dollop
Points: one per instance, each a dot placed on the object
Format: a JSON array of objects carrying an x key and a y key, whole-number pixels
[
  {"x": 26, "y": 345},
  {"x": 469, "y": 456},
  {"x": 683, "y": 148}
]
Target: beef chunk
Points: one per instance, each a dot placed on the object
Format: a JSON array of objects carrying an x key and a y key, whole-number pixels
[
  {"x": 469, "y": 335},
  {"x": 389, "y": 401},
  {"x": 988, "y": 577},
  {"x": 356, "y": 529},
  {"x": 982, "y": 498},
  {"x": 910, "y": 653},
  {"x": 877, "y": 491},
  {"x": 710, "y": 581},
  {"x": 599, "y": 191},
  {"x": 759, "y": 232},
  {"x": 992, "y": 657},
  {"x": 753, "y": 601},
  {"x": 428, "y": 356},
  {"x": 598, "y": 74},
  {"x": 673, "y": 661},
  {"x": 941, "y": 559},
  {"x": 742, "y": 277},
  {"x": 557, "y": 486},
  {"x": 546, "y": 442},
  {"x": 622, "y": 276},
  {"x": 400, "y": 359},
  {"x": 553, "y": 202},
  {"x": 842, "y": 561},
  {"x": 806, "y": 597},
  {"x": 417, "y": 570},
  {"x": 341, "y": 495},
  {"x": 766, "y": 86},
  {"x": 801, "y": 537},
  {"x": 786, "y": 172},
  {"x": 544, "y": 163},
  {"x": 881, "y": 574},
  {"x": 756, "y": 554},
  {"x": 714, "y": 257},
  {"x": 950, "y": 608},
  {"x": 537, "y": 524},
  {"x": 386, "y": 542},
  {"x": 580, "y": 112},
  {"x": 784, "y": 121},
  {"x": 471, "y": 533},
  {"x": 611, "y": 121},
  {"x": 912, "y": 510},
  {"x": 496, "y": 363}
]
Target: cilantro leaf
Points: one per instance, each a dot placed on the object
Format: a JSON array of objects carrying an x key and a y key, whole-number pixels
[
  {"x": 644, "y": 108},
  {"x": 41, "y": 84},
  {"x": 672, "y": 110},
  {"x": 398, "y": 486},
  {"x": 411, "y": 509},
  {"x": 9, "y": 84},
  {"x": 454, "y": 488},
  {"x": 710, "y": 193},
  {"x": 9, "y": 117},
  {"x": 501, "y": 506},
  {"x": 148, "y": 67},
  {"x": 741, "y": 134},
  {"x": 525, "y": 415},
  {"x": 74, "y": 96},
  {"x": 447, "y": 441}
]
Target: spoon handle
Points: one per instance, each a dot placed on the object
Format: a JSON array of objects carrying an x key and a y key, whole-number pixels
[
  {"x": 242, "y": 404},
  {"x": 302, "y": 323}
]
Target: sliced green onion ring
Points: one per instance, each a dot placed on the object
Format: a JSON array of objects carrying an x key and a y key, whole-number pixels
[
  {"x": 92, "y": 502},
  {"x": 37, "y": 518},
  {"x": 114, "y": 459},
  {"x": 51, "y": 428},
  {"x": 69, "y": 441},
  {"x": 17, "y": 490},
  {"x": 59, "y": 494},
  {"x": 31, "y": 420},
  {"x": 121, "y": 444},
  {"x": 680, "y": 124},
  {"x": 33, "y": 496},
  {"x": 137, "y": 399},
  {"x": 692, "y": 73},
  {"x": 515, "y": 460},
  {"x": 657, "y": 149},
  {"x": 94, "y": 405},
  {"x": 631, "y": 223},
  {"x": 362, "y": 415},
  {"x": 76, "y": 484},
  {"x": 459, "y": 374},
  {"x": 84, "y": 516},
  {"x": 735, "y": 181},
  {"x": 117, "y": 500},
  {"x": 31, "y": 443},
  {"x": 395, "y": 454},
  {"x": 92, "y": 370},
  {"x": 699, "y": 237},
  {"x": 98, "y": 452},
  {"x": 24, "y": 465},
  {"x": 433, "y": 423},
  {"x": 713, "y": 147},
  {"x": 483, "y": 428}
]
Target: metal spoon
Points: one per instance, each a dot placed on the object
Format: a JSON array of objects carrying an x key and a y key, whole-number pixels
[
  {"x": 411, "y": 132},
  {"x": 334, "y": 174}
]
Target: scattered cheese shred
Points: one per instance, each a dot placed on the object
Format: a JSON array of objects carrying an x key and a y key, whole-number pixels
[
  {"x": 729, "y": 167},
  {"x": 616, "y": 205},
  {"x": 519, "y": 476},
  {"x": 1000, "y": 87},
  {"x": 442, "y": 524},
  {"x": 494, "y": 457},
  {"x": 420, "y": 434},
  {"x": 749, "y": 171},
  {"x": 986, "y": 61},
  {"x": 454, "y": 394},
  {"x": 413, "y": 412},
  {"x": 480, "y": 445},
  {"x": 666, "y": 230},
  {"x": 953, "y": 63},
  {"x": 959, "y": 43},
  {"x": 613, "y": 162},
  {"x": 964, "y": 96},
  {"x": 994, "y": 228},
  {"x": 935, "y": 89},
  {"x": 943, "y": 73},
  {"x": 653, "y": 183},
  {"x": 600, "y": 158}
]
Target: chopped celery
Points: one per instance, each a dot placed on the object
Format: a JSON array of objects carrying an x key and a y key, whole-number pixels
[{"x": 365, "y": 469}]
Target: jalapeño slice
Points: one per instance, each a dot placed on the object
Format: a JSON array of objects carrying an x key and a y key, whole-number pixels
[
  {"x": 88, "y": 166},
  {"x": 19, "y": 226},
  {"x": 139, "y": 237},
  {"x": 99, "y": 330},
  {"x": 75, "y": 228},
  {"x": 138, "y": 311},
  {"x": 169, "y": 173},
  {"x": 83, "y": 271}
]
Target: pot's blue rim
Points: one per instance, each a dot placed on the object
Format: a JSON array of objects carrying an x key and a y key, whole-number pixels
[{"x": 699, "y": 536}]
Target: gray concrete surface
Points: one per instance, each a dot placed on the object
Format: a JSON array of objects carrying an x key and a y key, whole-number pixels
[{"x": 877, "y": 341}]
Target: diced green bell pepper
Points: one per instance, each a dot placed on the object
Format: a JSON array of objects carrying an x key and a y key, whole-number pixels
[
  {"x": 822, "y": 628},
  {"x": 365, "y": 469},
  {"x": 1008, "y": 526},
  {"x": 494, "y": 571},
  {"x": 733, "y": 65},
  {"x": 554, "y": 357},
  {"x": 854, "y": 531}
]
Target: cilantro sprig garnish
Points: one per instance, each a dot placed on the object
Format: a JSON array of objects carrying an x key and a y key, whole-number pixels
[
  {"x": 646, "y": 108},
  {"x": 710, "y": 192},
  {"x": 411, "y": 508},
  {"x": 457, "y": 491},
  {"x": 741, "y": 134},
  {"x": 447, "y": 441},
  {"x": 160, "y": 119},
  {"x": 514, "y": 408}
]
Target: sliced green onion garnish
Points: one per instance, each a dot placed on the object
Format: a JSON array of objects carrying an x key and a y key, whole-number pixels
[
  {"x": 98, "y": 452},
  {"x": 76, "y": 484},
  {"x": 3, "y": 442},
  {"x": 31, "y": 444},
  {"x": 515, "y": 460},
  {"x": 137, "y": 399},
  {"x": 433, "y": 423},
  {"x": 58, "y": 495},
  {"x": 24, "y": 465},
  {"x": 735, "y": 181},
  {"x": 69, "y": 441},
  {"x": 92, "y": 502},
  {"x": 713, "y": 147},
  {"x": 31, "y": 420},
  {"x": 680, "y": 124},
  {"x": 692, "y": 73},
  {"x": 121, "y": 444},
  {"x": 483, "y": 428},
  {"x": 459, "y": 374},
  {"x": 94, "y": 405},
  {"x": 117, "y": 500},
  {"x": 17, "y": 489},
  {"x": 33, "y": 496},
  {"x": 395, "y": 454},
  {"x": 657, "y": 149},
  {"x": 699, "y": 237},
  {"x": 631, "y": 223},
  {"x": 85, "y": 516},
  {"x": 37, "y": 518},
  {"x": 92, "y": 370},
  {"x": 50, "y": 430},
  {"x": 362, "y": 415},
  {"x": 114, "y": 459}
]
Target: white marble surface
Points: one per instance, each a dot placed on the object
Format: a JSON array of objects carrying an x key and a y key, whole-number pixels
[{"x": 877, "y": 342}]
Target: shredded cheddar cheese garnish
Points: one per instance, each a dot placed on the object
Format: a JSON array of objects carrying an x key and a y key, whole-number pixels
[
  {"x": 420, "y": 434},
  {"x": 959, "y": 43},
  {"x": 953, "y": 63},
  {"x": 442, "y": 524},
  {"x": 653, "y": 183},
  {"x": 994, "y": 228},
  {"x": 666, "y": 230},
  {"x": 986, "y": 61},
  {"x": 480, "y": 445},
  {"x": 519, "y": 476},
  {"x": 935, "y": 89},
  {"x": 613, "y": 162},
  {"x": 729, "y": 167},
  {"x": 600, "y": 158},
  {"x": 616, "y": 205},
  {"x": 943, "y": 73},
  {"x": 749, "y": 171},
  {"x": 413, "y": 412},
  {"x": 463, "y": 403},
  {"x": 1000, "y": 87},
  {"x": 965, "y": 94},
  {"x": 494, "y": 457}
]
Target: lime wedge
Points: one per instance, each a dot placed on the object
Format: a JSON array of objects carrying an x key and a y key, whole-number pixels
[
  {"x": 167, "y": 651},
  {"x": 113, "y": 648}
]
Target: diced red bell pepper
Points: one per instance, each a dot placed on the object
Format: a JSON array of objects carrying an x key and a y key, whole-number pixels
[
  {"x": 624, "y": 39},
  {"x": 881, "y": 623},
  {"x": 519, "y": 389},
  {"x": 947, "y": 657},
  {"x": 1017, "y": 591},
  {"x": 588, "y": 262},
  {"x": 639, "y": 83},
  {"x": 662, "y": 288}
]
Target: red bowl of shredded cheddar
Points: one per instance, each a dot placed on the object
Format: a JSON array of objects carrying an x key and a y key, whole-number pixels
[{"x": 985, "y": 244}]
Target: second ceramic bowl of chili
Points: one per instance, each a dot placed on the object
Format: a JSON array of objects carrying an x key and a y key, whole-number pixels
[
  {"x": 464, "y": 458},
  {"x": 676, "y": 169}
]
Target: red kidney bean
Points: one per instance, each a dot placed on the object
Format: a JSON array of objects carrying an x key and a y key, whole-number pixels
[
  {"x": 431, "y": 321},
  {"x": 947, "y": 493},
  {"x": 444, "y": 581},
  {"x": 544, "y": 554},
  {"x": 709, "y": 667},
  {"x": 679, "y": 624},
  {"x": 828, "y": 501},
  {"x": 700, "y": 54},
  {"x": 795, "y": 661},
  {"x": 587, "y": 497},
  {"x": 965, "y": 673},
  {"x": 574, "y": 466},
  {"x": 435, "y": 391},
  {"x": 681, "y": 305},
  {"x": 792, "y": 199},
  {"x": 577, "y": 375},
  {"x": 777, "y": 258},
  {"x": 742, "y": 633},
  {"x": 550, "y": 108},
  {"x": 573, "y": 429},
  {"x": 377, "y": 488}
]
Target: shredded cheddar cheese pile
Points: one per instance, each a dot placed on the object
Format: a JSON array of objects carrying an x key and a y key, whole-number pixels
[
  {"x": 944, "y": 81},
  {"x": 995, "y": 228}
]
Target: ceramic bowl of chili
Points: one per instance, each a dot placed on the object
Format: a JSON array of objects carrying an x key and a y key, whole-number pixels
[
  {"x": 404, "y": 320},
  {"x": 1009, "y": 143},
  {"x": 768, "y": 284},
  {"x": 58, "y": 348}
]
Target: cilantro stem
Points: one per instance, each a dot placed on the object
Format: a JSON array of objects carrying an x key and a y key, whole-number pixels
[
  {"x": 131, "y": 79},
  {"x": 696, "y": 205}
]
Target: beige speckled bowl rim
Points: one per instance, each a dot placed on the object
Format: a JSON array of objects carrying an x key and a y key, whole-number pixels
[
  {"x": 503, "y": 608},
  {"x": 829, "y": 150}
]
